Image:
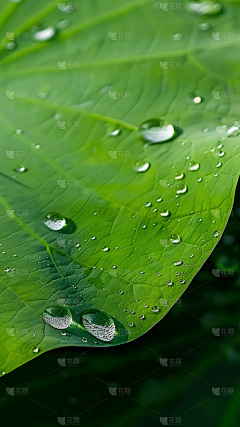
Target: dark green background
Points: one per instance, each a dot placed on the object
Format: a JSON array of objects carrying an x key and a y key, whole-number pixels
[{"x": 81, "y": 390}]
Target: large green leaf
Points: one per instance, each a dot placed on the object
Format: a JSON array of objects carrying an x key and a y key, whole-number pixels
[{"x": 110, "y": 66}]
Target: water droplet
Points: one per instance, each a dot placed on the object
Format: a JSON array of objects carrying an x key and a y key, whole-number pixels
[
  {"x": 105, "y": 249},
  {"x": 169, "y": 283},
  {"x": 93, "y": 238},
  {"x": 201, "y": 8},
  {"x": 154, "y": 131},
  {"x": 178, "y": 263},
  {"x": 21, "y": 169},
  {"x": 165, "y": 212},
  {"x": 114, "y": 266},
  {"x": 155, "y": 309},
  {"x": 36, "y": 350},
  {"x": 99, "y": 324},
  {"x": 194, "y": 99},
  {"x": 204, "y": 26},
  {"x": 45, "y": 34},
  {"x": 55, "y": 222},
  {"x": 142, "y": 316},
  {"x": 64, "y": 333},
  {"x": 179, "y": 175},
  {"x": 233, "y": 131},
  {"x": 191, "y": 256},
  {"x": 200, "y": 220},
  {"x": 221, "y": 129},
  {"x": 193, "y": 166},
  {"x": 58, "y": 317},
  {"x": 182, "y": 281},
  {"x": 121, "y": 292},
  {"x": 115, "y": 132},
  {"x": 148, "y": 204},
  {"x": 181, "y": 188},
  {"x": 175, "y": 238},
  {"x": 199, "y": 179},
  {"x": 37, "y": 146},
  {"x": 141, "y": 166},
  {"x": 131, "y": 325},
  {"x": 216, "y": 234},
  {"x": 177, "y": 37},
  {"x": 62, "y": 24},
  {"x": 144, "y": 226},
  {"x": 220, "y": 153},
  {"x": 159, "y": 199},
  {"x": 10, "y": 45}
]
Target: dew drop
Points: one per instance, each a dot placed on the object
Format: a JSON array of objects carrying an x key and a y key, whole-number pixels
[
  {"x": 114, "y": 266},
  {"x": 22, "y": 169},
  {"x": 216, "y": 234},
  {"x": 193, "y": 166},
  {"x": 148, "y": 204},
  {"x": 18, "y": 131},
  {"x": 37, "y": 146},
  {"x": 175, "y": 238},
  {"x": 99, "y": 324},
  {"x": 165, "y": 212},
  {"x": 177, "y": 37},
  {"x": 179, "y": 175},
  {"x": 45, "y": 34},
  {"x": 141, "y": 166},
  {"x": 154, "y": 131},
  {"x": 144, "y": 226},
  {"x": 105, "y": 249},
  {"x": 155, "y": 309},
  {"x": 36, "y": 350},
  {"x": 142, "y": 316},
  {"x": 178, "y": 263},
  {"x": 233, "y": 131},
  {"x": 191, "y": 256},
  {"x": 194, "y": 99},
  {"x": 55, "y": 221},
  {"x": 202, "y": 8},
  {"x": 169, "y": 283},
  {"x": 10, "y": 45},
  {"x": 64, "y": 23},
  {"x": 181, "y": 188},
  {"x": 199, "y": 179},
  {"x": 121, "y": 292},
  {"x": 182, "y": 281},
  {"x": 159, "y": 199},
  {"x": 204, "y": 26},
  {"x": 130, "y": 324},
  {"x": 58, "y": 317}
]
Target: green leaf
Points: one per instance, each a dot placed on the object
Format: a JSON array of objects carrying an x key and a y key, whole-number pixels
[{"x": 110, "y": 67}]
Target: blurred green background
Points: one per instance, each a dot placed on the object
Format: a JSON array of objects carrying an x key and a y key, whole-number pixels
[{"x": 184, "y": 371}]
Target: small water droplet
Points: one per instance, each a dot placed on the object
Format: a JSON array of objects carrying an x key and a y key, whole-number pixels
[
  {"x": 55, "y": 221},
  {"x": 182, "y": 281},
  {"x": 233, "y": 131},
  {"x": 169, "y": 283},
  {"x": 148, "y": 204},
  {"x": 18, "y": 131},
  {"x": 121, "y": 292},
  {"x": 114, "y": 266},
  {"x": 204, "y": 26},
  {"x": 142, "y": 316},
  {"x": 130, "y": 324},
  {"x": 179, "y": 175},
  {"x": 64, "y": 333},
  {"x": 216, "y": 234},
  {"x": 93, "y": 238},
  {"x": 191, "y": 256},
  {"x": 99, "y": 324},
  {"x": 155, "y": 309},
  {"x": 36, "y": 350},
  {"x": 165, "y": 212},
  {"x": 22, "y": 169},
  {"x": 37, "y": 146},
  {"x": 177, "y": 37},
  {"x": 199, "y": 179},
  {"x": 105, "y": 249},
  {"x": 175, "y": 238},
  {"x": 10, "y": 45},
  {"x": 194, "y": 99},
  {"x": 144, "y": 226},
  {"x": 64, "y": 23},
  {"x": 58, "y": 317},
  {"x": 45, "y": 34},
  {"x": 193, "y": 166},
  {"x": 200, "y": 220},
  {"x": 154, "y": 131},
  {"x": 181, "y": 189},
  {"x": 159, "y": 199},
  {"x": 141, "y": 166},
  {"x": 178, "y": 263}
]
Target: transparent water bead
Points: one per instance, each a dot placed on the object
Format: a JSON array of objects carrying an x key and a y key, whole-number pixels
[
  {"x": 154, "y": 131},
  {"x": 179, "y": 175},
  {"x": 182, "y": 281},
  {"x": 22, "y": 169},
  {"x": 142, "y": 316},
  {"x": 177, "y": 37},
  {"x": 170, "y": 283},
  {"x": 221, "y": 129},
  {"x": 99, "y": 324},
  {"x": 64, "y": 23},
  {"x": 216, "y": 234},
  {"x": 218, "y": 164},
  {"x": 181, "y": 188},
  {"x": 148, "y": 204},
  {"x": 194, "y": 99},
  {"x": 58, "y": 317},
  {"x": 159, "y": 199},
  {"x": 105, "y": 249},
  {"x": 165, "y": 212},
  {"x": 193, "y": 166},
  {"x": 55, "y": 221},
  {"x": 204, "y": 7},
  {"x": 10, "y": 45},
  {"x": 141, "y": 166},
  {"x": 233, "y": 131},
  {"x": 175, "y": 238},
  {"x": 204, "y": 26},
  {"x": 36, "y": 350},
  {"x": 43, "y": 35},
  {"x": 155, "y": 309},
  {"x": 37, "y": 146},
  {"x": 178, "y": 263}
]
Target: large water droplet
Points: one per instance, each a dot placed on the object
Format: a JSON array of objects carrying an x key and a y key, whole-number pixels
[
  {"x": 181, "y": 188},
  {"x": 233, "y": 131},
  {"x": 175, "y": 238},
  {"x": 204, "y": 7},
  {"x": 141, "y": 166},
  {"x": 105, "y": 249},
  {"x": 178, "y": 263},
  {"x": 193, "y": 166},
  {"x": 154, "y": 131},
  {"x": 58, "y": 317},
  {"x": 179, "y": 175},
  {"x": 45, "y": 34},
  {"x": 165, "y": 212},
  {"x": 99, "y": 324},
  {"x": 55, "y": 221}
]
